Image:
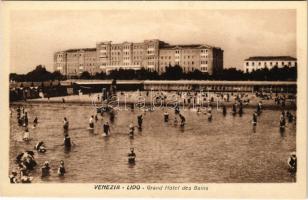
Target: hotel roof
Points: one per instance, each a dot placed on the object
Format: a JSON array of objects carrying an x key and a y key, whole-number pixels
[
  {"x": 187, "y": 46},
  {"x": 262, "y": 58},
  {"x": 77, "y": 50}
]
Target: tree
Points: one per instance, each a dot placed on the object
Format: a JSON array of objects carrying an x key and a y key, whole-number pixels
[
  {"x": 173, "y": 73},
  {"x": 85, "y": 75}
]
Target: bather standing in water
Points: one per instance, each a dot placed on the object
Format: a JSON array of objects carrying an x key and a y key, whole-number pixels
[
  {"x": 61, "y": 169},
  {"x": 140, "y": 121},
  {"x": 131, "y": 129},
  {"x": 254, "y": 119},
  {"x": 91, "y": 122},
  {"x": 67, "y": 141},
  {"x": 26, "y": 136},
  {"x": 35, "y": 122},
  {"x": 46, "y": 169},
  {"x": 65, "y": 124},
  {"x": 106, "y": 128},
  {"x": 131, "y": 156}
]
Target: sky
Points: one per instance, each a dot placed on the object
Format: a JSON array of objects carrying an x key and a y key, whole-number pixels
[{"x": 35, "y": 35}]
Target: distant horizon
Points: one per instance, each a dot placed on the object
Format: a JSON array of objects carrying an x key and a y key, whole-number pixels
[{"x": 37, "y": 35}]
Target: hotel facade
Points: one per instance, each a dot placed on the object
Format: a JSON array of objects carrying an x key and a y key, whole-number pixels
[
  {"x": 154, "y": 55},
  {"x": 261, "y": 62}
]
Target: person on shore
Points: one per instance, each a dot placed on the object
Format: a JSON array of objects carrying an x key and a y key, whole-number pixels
[
  {"x": 106, "y": 128},
  {"x": 224, "y": 110},
  {"x": 40, "y": 147},
  {"x": 65, "y": 124},
  {"x": 91, "y": 122},
  {"x": 13, "y": 177},
  {"x": 26, "y": 136},
  {"x": 140, "y": 121},
  {"x": 166, "y": 116},
  {"x": 131, "y": 156},
  {"x": 67, "y": 141},
  {"x": 292, "y": 162},
  {"x": 96, "y": 118},
  {"x": 46, "y": 169},
  {"x": 254, "y": 118},
  {"x": 35, "y": 122},
  {"x": 61, "y": 169}
]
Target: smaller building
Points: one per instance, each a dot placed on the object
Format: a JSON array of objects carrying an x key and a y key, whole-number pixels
[{"x": 260, "y": 62}]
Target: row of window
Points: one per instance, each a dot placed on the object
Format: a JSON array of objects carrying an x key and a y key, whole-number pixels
[
  {"x": 203, "y": 68},
  {"x": 270, "y": 63}
]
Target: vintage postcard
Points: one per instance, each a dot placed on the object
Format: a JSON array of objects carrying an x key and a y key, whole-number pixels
[{"x": 154, "y": 99}]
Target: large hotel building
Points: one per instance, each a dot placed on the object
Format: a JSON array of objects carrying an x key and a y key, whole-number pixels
[{"x": 153, "y": 55}]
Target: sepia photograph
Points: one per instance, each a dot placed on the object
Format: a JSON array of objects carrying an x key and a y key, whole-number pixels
[{"x": 134, "y": 95}]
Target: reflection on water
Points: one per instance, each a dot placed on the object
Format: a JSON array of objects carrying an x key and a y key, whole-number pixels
[{"x": 227, "y": 149}]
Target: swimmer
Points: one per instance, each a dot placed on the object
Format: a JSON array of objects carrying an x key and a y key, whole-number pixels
[
  {"x": 91, "y": 122},
  {"x": 45, "y": 169},
  {"x": 65, "y": 124},
  {"x": 61, "y": 169},
  {"x": 40, "y": 147},
  {"x": 131, "y": 156}
]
